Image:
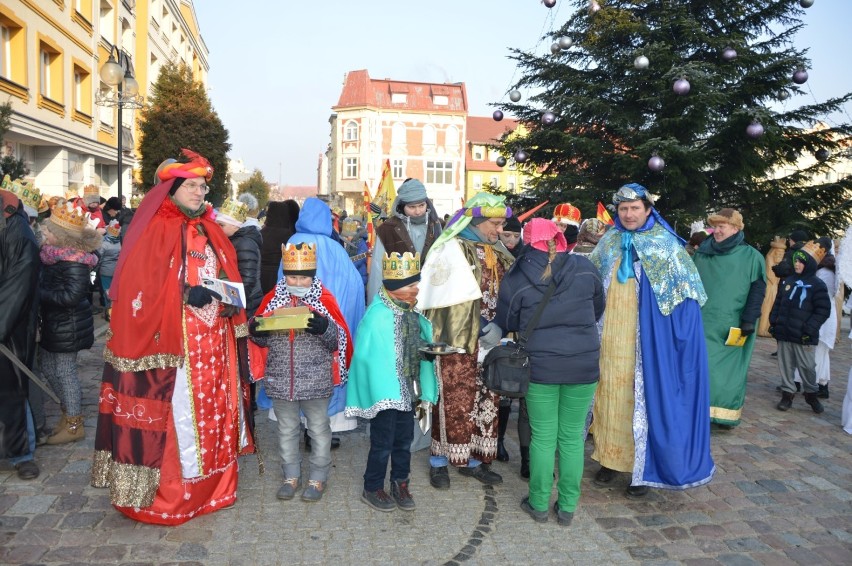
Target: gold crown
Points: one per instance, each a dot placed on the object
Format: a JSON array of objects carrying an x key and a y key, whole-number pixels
[
  {"x": 299, "y": 257},
  {"x": 814, "y": 250},
  {"x": 398, "y": 267},
  {"x": 349, "y": 226},
  {"x": 25, "y": 191},
  {"x": 71, "y": 194},
  {"x": 91, "y": 191},
  {"x": 235, "y": 209},
  {"x": 69, "y": 217},
  {"x": 114, "y": 229},
  {"x": 44, "y": 205},
  {"x": 135, "y": 201}
]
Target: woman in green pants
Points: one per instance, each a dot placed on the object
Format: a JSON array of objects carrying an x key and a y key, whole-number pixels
[{"x": 564, "y": 351}]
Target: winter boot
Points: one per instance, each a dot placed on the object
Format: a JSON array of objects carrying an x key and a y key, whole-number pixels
[
  {"x": 525, "y": 462},
  {"x": 786, "y": 401},
  {"x": 823, "y": 392},
  {"x": 63, "y": 422},
  {"x": 502, "y": 421},
  {"x": 72, "y": 432},
  {"x": 811, "y": 399}
]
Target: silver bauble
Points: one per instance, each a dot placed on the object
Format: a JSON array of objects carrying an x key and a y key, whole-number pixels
[
  {"x": 521, "y": 156},
  {"x": 641, "y": 62},
  {"x": 498, "y": 115},
  {"x": 783, "y": 95},
  {"x": 548, "y": 118},
  {"x": 514, "y": 95},
  {"x": 800, "y": 77},
  {"x": 565, "y": 42},
  {"x": 549, "y": 3},
  {"x": 681, "y": 87},
  {"x": 554, "y": 48},
  {"x": 656, "y": 163},
  {"x": 754, "y": 130},
  {"x": 729, "y": 54},
  {"x": 501, "y": 161},
  {"x": 806, "y": 3}
]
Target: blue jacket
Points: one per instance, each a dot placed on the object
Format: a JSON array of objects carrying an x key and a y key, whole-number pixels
[{"x": 564, "y": 348}]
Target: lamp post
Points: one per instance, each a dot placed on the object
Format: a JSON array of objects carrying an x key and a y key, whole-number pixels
[{"x": 117, "y": 72}]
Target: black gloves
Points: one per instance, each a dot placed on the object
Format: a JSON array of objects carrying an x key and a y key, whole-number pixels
[
  {"x": 317, "y": 324},
  {"x": 747, "y": 328},
  {"x": 252, "y": 327},
  {"x": 199, "y": 296},
  {"x": 228, "y": 311}
]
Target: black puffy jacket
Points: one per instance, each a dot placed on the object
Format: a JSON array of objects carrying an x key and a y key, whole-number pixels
[
  {"x": 248, "y": 241},
  {"x": 565, "y": 346},
  {"x": 67, "y": 324},
  {"x": 801, "y": 306}
]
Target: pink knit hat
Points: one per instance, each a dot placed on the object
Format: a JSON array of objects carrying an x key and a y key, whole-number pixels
[{"x": 539, "y": 231}]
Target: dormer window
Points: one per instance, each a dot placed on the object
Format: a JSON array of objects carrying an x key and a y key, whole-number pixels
[
  {"x": 399, "y": 98},
  {"x": 440, "y": 100}
]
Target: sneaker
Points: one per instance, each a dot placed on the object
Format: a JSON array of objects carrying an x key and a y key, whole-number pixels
[
  {"x": 483, "y": 474},
  {"x": 637, "y": 490},
  {"x": 314, "y": 491},
  {"x": 537, "y": 516},
  {"x": 400, "y": 494},
  {"x": 604, "y": 477},
  {"x": 564, "y": 518},
  {"x": 378, "y": 500},
  {"x": 288, "y": 488},
  {"x": 439, "y": 477}
]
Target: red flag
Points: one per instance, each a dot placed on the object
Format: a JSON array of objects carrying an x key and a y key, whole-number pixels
[{"x": 603, "y": 215}]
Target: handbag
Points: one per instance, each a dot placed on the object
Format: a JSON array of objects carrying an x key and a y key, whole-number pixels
[{"x": 506, "y": 368}]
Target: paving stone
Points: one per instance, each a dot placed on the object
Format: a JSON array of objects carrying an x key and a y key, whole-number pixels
[
  {"x": 736, "y": 560},
  {"x": 646, "y": 552},
  {"x": 748, "y": 544},
  {"x": 616, "y": 523},
  {"x": 653, "y": 520},
  {"x": 675, "y": 533},
  {"x": 773, "y": 486},
  {"x": 32, "y": 505},
  {"x": 82, "y": 520}
]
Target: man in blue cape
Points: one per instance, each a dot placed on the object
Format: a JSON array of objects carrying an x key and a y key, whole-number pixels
[{"x": 651, "y": 409}]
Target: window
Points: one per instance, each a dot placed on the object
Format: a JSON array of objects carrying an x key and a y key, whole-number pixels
[
  {"x": 106, "y": 23},
  {"x": 430, "y": 135},
  {"x": 398, "y": 134},
  {"x": 495, "y": 181},
  {"x": 477, "y": 182},
  {"x": 439, "y": 172},
  {"x": 350, "y": 170},
  {"x": 105, "y": 113},
  {"x": 440, "y": 100},
  {"x": 398, "y": 168},
  {"x": 399, "y": 98},
  {"x": 452, "y": 138},
  {"x": 82, "y": 90},
  {"x": 478, "y": 153},
  {"x": 5, "y": 50},
  {"x": 13, "y": 55},
  {"x": 510, "y": 184},
  {"x": 104, "y": 174},
  {"x": 350, "y": 131},
  {"x": 50, "y": 72}
]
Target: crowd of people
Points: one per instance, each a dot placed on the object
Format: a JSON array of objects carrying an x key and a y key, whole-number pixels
[{"x": 641, "y": 342}]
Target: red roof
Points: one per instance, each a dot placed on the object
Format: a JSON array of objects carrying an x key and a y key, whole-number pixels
[
  {"x": 482, "y": 130},
  {"x": 360, "y": 90},
  {"x": 297, "y": 192}
]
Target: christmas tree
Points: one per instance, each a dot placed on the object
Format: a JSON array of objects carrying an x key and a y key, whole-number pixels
[{"x": 696, "y": 100}]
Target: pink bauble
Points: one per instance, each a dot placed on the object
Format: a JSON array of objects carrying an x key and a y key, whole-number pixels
[
  {"x": 681, "y": 87},
  {"x": 498, "y": 115},
  {"x": 800, "y": 77},
  {"x": 754, "y": 130},
  {"x": 656, "y": 163}
]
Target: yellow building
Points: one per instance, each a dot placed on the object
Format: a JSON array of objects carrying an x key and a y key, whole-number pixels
[
  {"x": 483, "y": 135},
  {"x": 50, "y": 54}
]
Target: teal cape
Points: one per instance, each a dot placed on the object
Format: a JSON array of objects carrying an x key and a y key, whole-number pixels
[{"x": 375, "y": 374}]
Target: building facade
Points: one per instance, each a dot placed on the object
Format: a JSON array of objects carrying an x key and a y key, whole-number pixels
[
  {"x": 51, "y": 54},
  {"x": 419, "y": 127},
  {"x": 484, "y": 136}
]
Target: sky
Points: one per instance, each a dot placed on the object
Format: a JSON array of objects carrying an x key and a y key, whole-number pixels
[{"x": 277, "y": 66}]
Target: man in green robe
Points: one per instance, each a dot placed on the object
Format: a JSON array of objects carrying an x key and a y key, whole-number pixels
[{"x": 734, "y": 278}]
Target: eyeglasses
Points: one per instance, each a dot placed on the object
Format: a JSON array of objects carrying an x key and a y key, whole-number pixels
[
  {"x": 497, "y": 222},
  {"x": 193, "y": 188}
]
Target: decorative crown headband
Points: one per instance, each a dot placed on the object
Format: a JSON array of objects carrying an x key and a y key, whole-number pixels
[
  {"x": 69, "y": 217},
  {"x": 299, "y": 257},
  {"x": 235, "y": 209},
  {"x": 397, "y": 267}
]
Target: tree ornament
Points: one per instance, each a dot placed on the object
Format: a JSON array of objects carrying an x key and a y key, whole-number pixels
[
  {"x": 806, "y": 3},
  {"x": 554, "y": 48},
  {"x": 641, "y": 62},
  {"x": 501, "y": 161},
  {"x": 681, "y": 87},
  {"x": 565, "y": 42},
  {"x": 514, "y": 95},
  {"x": 549, "y": 3},
  {"x": 729, "y": 54},
  {"x": 498, "y": 115},
  {"x": 800, "y": 77},
  {"x": 594, "y": 7},
  {"x": 791, "y": 156},
  {"x": 548, "y": 118},
  {"x": 521, "y": 156},
  {"x": 783, "y": 95},
  {"x": 822, "y": 154},
  {"x": 656, "y": 163},
  {"x": 755, "y": 130}
]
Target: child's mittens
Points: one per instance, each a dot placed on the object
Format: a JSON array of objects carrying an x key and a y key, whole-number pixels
[{"x": 317, "y": 324}]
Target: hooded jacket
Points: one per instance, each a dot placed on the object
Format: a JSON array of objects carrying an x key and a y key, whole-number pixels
[
  {"x": 280, "y": 224},
  {"x": 801, "y": 306},
  {"x": 564, "y": 347}
]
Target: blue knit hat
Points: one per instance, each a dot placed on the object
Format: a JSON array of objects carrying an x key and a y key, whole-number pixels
[{"x": 411, "y": 191}]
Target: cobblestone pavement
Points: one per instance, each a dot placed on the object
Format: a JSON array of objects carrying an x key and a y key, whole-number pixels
[{"x": 782, "y": 494}]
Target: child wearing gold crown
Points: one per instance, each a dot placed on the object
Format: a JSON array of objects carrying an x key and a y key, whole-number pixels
[
  {"x": 801, "y": 307},
  {"x": 67, "y": 325},
  {"x": 302, "y": 367},
  {"x": 389, "y": 378}
]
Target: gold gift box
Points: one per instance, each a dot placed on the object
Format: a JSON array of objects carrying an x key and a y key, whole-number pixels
[{"x": 291, "y": 318}]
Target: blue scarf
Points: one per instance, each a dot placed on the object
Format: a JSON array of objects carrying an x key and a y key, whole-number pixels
[{"x": 800, "y": 285}]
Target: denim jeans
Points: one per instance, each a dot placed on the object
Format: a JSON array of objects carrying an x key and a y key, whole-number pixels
[
  {"x": 390, "y": 437},
  {"x": 31, "y": 440},
  {"x": 289, "y": 433}
]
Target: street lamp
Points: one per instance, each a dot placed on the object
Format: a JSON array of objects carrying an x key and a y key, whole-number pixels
[{"x": 117, "y": 72}]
